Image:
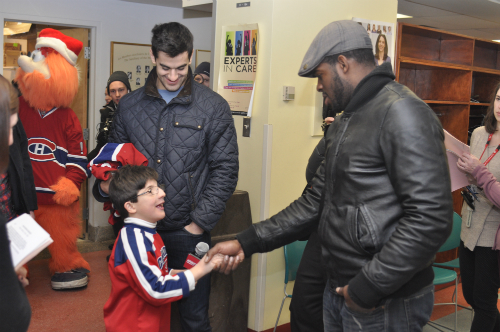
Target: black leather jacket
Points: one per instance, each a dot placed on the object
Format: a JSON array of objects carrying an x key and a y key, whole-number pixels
[
  {"x": 387, "y": 205},
  {"x": 191, "y": 142}
]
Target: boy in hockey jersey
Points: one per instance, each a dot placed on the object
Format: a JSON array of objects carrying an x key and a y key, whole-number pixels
[{"x": 142, "y": 284}]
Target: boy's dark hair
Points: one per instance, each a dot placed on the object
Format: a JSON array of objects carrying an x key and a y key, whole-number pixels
[
  {"x": 126, "y": 183},
  {"x": 172, "y": 38},
  {"x": 362, "y": 56}
]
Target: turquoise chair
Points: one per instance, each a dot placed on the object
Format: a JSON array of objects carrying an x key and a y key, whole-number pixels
[
  {"x": 293, "y": 255},
  {"x": 444, "y": 276}
]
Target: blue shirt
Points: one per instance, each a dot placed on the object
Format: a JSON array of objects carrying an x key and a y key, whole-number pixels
[{"x": 169, "y": 95}]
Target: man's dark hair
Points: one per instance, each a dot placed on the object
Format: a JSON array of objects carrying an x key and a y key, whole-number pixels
[
  {"x": 126, "y": 183},
  {"x": 172, "y": 38},
  {"x": 363, "y": 56}
]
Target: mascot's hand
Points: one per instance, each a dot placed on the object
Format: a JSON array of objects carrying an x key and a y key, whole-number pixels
[{"x": 66, "y": 192}]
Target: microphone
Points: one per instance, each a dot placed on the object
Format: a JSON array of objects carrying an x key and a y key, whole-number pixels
[{"x": 194, "y": 257}]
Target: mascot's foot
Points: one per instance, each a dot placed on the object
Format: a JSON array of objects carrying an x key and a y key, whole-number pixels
[{"x": 76, "y": 278}]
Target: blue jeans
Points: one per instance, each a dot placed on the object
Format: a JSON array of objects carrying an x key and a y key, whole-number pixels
[
  {"x": 193, "y": 309},
  {"x": 408, "y": 314}
]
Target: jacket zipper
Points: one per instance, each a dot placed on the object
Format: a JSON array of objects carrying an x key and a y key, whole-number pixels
[{"x": 193, "y": 205}]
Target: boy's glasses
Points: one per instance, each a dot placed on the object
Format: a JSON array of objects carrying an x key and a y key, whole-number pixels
[{"x": 151, "y": 191}]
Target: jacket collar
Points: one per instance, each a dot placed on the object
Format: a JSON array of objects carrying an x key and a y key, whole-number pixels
[
  {"x": 369, "y": 86},
  {"x": 184, "y": 96}
]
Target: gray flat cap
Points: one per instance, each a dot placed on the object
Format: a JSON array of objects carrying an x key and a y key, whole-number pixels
[{"x": 337, "y": 37}]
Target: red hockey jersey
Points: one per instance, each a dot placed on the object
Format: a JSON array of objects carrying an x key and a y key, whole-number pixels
[
  {"x": 141, "y": 288},
  {"x": 56, "y": 148}
]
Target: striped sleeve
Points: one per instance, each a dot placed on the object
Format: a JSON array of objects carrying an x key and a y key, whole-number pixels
[
  {"x": 76, "y": 163},
  {"x": 144, "y": 274}
]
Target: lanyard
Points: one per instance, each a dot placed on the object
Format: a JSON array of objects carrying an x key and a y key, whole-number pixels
[{"x": 493, "y": 154}]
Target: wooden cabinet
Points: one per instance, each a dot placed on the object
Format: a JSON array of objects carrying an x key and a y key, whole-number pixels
[{"x": 454, "y": 74}]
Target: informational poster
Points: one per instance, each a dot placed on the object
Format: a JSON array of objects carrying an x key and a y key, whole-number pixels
[
  {"x": 383, "y": 39},
  {"x": 238, "y": 66},
  {"x": 133, "y": 59}
]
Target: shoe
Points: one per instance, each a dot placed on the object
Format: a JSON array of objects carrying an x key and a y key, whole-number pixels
[{"x": 70, "y": 279}]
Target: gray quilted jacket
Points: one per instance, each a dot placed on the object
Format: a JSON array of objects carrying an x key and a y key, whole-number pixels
[{"x": 191, "y": 142}]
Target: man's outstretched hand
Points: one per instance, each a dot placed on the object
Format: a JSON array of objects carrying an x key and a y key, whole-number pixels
[{"x": 233, "y": 255}]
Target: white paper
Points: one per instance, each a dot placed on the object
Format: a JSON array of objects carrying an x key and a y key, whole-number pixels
[
  {"x": 27, "y": 239},
  {"x": 454, "y": 150}
]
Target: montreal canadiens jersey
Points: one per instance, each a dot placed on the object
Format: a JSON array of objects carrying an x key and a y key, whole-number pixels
[
  {"x": 55, "y": 146},
  {"x": 141, "y": 287}
]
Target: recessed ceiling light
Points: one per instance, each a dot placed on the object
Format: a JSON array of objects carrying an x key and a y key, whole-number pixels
[{"x": 406, "y": 16}]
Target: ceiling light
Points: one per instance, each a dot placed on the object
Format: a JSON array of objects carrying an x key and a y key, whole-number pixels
[
  {"x": 406, "y": 16},
  {"x": 495, "y": 1},
  {"x": 496, "y": 40}
]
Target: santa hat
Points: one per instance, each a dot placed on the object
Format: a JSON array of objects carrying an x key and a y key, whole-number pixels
[{"x": 68, "y": 47}]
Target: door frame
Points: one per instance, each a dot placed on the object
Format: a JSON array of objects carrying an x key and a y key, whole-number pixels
[{"x": 95, "y": 67}]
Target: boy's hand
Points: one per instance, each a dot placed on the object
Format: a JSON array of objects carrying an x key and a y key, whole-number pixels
[{"x": 216, "y": 261}]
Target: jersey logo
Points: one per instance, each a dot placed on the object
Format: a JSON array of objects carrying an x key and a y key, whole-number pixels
[
  {"x": 162, "y": 260},
  {"x": 41, "y": 149}
]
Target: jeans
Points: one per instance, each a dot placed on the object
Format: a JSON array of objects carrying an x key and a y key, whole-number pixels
[
  {"x": 306, "y": 306},
  {"x": 193, "y": 310},
  {"x": 408, "y": 314}
]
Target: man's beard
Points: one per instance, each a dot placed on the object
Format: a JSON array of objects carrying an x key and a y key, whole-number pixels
[{"x": 342, "y": 96}]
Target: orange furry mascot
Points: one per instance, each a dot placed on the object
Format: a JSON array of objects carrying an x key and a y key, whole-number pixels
[{"x": 48, "y": 81}]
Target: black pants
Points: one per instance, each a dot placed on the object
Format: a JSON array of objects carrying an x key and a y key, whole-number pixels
[
  {"x": 306, "y": 307},
  {"x": 480, "y": 283},
  {"x": 193, "y": 310}
]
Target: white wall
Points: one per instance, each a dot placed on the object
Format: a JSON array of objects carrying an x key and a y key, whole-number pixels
[{"x": 110, "y": 20}]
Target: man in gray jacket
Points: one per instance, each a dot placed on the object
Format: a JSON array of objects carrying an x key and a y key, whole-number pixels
[
  {"x": 186, "y": 131},
  {"x": 382, "y": 195}
]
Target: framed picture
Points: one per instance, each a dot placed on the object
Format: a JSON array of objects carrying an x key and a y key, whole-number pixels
[
  {"x": 202, "y": 56},
  {"x": 133, "y": 59},
  {"x": 383, "y": 39}
]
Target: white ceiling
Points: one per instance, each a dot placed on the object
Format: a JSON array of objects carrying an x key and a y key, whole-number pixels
[
  {"x": 476, "y": 18},
  {"x": 173, "y": 4}
]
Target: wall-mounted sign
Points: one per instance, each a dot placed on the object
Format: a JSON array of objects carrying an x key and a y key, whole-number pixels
[{"x": 238, "y": 66}]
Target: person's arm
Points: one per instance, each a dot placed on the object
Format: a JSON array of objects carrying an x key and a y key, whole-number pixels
[
  {"x": 223, "y": 167},
  {"x": 287, "y": 226},
  {"x": 412, "y": 145},
  {"x": 136, "y": 264},
  {"x": 15, "y": 310},
  {"x": 488, "y": 182},
  {"x": 76, "y": 165}
]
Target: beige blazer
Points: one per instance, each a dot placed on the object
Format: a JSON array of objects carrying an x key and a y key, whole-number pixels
[{"x": 479, "y": 227}]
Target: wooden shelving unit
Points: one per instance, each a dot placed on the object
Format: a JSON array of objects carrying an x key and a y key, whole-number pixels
[{"x": 446, "y": 70}]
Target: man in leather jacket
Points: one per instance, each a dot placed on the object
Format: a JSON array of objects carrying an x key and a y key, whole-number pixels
[
  {"x": 186, "y": 131},
  {"x": 382, "y": 194}
]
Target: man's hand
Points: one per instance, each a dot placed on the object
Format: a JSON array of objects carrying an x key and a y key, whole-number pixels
[
  {"x": 342, "y": 291},
  {"x": 194, "y": 229},
  {"x": 228, "y": 248},
  {"x": 105, "y": 185}
]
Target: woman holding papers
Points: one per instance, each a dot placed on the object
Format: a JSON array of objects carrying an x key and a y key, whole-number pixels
[
  {"x": 15, "y": 310},
  {"x": 478, "y": 262}
]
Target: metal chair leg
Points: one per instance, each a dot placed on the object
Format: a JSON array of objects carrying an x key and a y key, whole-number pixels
[{"x": 279, "y": 314}]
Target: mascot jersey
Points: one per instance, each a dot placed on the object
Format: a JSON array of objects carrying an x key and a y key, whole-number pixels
[{"x": 56, "y": 148}]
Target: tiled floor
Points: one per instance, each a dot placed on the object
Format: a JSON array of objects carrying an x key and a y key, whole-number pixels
[{"x": 82, "y": 310}]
